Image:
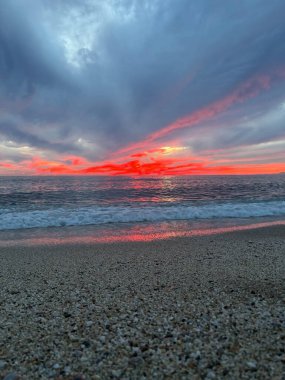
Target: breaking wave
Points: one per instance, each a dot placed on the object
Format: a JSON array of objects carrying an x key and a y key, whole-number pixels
[{"x": 59, "y": 217}]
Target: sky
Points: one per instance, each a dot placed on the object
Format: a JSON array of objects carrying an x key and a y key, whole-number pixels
[{"x": 142, "y": 87}]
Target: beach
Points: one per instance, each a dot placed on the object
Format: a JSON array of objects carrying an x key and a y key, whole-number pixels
[{"x": 202, "y": 307}]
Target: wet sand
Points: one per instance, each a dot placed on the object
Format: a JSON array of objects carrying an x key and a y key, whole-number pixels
[{"x": 188, "y": 308}]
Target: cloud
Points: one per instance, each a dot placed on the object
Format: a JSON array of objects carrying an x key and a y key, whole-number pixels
[{"x": 91, "y": 78}]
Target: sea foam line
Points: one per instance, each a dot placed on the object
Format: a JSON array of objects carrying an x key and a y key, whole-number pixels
[{"x": 124, "y": 214}]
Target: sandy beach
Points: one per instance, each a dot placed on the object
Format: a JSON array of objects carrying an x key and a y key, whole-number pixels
[{"x": 206, "y": 307}]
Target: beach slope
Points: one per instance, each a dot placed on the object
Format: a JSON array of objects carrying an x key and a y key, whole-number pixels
[{"x": 188, "y": 308}]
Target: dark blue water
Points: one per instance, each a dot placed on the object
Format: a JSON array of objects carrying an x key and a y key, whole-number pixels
[{"x": 27, "y": 202}]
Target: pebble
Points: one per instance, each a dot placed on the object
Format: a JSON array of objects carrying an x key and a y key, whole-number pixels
[
  {"x": 3, "y": 364},
  {"x": 251, "y": 364},
  {"x": 116, "y": 373},
  {"x": 193, "y": 327},
  {"x": 11, "y": 376},
  {"x": 102, "y": 339},
  {"x": 210, "y": 375},
  {"x": 67, "y": 370}
]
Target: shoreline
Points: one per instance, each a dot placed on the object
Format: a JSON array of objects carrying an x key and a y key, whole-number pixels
[
  {"x": 131, "y": 232},
  {"x": 190, "y": 307}
]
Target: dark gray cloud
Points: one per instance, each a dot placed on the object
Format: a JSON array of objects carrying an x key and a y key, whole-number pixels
[
  {"x": 28, "y": 55},
  {"x": 111, "y": 72},
  {"x": 18, "y": 136}
]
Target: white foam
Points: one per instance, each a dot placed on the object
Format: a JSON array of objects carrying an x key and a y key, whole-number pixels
[{"x": 119, "y": 214}]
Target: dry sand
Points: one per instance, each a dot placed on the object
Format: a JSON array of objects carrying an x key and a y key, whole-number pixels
[{"x": 190, "y": 308}]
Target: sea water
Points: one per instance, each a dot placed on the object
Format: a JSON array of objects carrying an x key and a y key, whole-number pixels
[{"x": 61, "y": 201}]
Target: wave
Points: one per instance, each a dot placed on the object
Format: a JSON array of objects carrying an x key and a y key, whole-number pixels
[{"x": 126, "y": 214}]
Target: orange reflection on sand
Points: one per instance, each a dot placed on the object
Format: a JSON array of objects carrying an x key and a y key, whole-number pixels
[{"x": 133, "y": 234}]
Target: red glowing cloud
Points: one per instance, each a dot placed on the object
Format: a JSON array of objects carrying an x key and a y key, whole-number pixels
[
  {"x": 158, "y": 166},
  {"x": 6, "y": 165},
  {"x": 148, "y": 157}
]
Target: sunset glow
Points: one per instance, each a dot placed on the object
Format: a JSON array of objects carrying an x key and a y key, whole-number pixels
[{"x": 203, "y": 103}]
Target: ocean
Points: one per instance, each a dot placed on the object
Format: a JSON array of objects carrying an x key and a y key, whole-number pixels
[{"x": 169, "y": 204}]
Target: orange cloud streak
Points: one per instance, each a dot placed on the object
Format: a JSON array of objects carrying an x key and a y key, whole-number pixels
[{"x": 247, "y": 90}]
